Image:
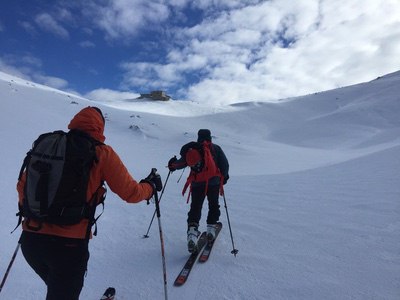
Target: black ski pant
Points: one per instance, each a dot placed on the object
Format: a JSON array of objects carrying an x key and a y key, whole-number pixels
[
  {"x": 198, "y": 196},
  {"x": 60, "y": 262}
]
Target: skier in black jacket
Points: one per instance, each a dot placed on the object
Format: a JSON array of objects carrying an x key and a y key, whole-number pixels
[{"x": 208, "y": 175}]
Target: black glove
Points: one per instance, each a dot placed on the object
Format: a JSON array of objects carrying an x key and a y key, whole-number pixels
[
  {"x": 226, "y": 179},
  {"x": 171, "y": 162},
  {"x": 154, "y": 179}
]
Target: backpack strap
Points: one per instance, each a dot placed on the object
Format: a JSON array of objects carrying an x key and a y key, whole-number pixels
[
  {"x": 98, "y": 198},
  {"x": 19, "y": 215},
  {"x": 24, "y": 164},
  {"x": 221, "y": 177},
  {"x": 21, "y": 172},
  {"x": 188, "y": 183}
]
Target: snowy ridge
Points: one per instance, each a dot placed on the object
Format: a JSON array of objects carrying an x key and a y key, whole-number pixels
[{"x": 313, "y": 196}]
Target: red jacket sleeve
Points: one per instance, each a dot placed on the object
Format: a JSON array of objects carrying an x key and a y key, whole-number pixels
[{"x": 111, "y": 169}]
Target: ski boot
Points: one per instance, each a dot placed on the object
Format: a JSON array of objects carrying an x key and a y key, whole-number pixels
[
  {"x": 211, "y": 232},
  {"x": 192, "y": 237}
]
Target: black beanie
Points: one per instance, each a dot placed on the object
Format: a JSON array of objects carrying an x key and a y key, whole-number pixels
[{"x": 204, "y": 135}]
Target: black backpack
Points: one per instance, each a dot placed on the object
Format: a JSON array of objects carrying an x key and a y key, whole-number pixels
[{"x": 57, "y": 176}]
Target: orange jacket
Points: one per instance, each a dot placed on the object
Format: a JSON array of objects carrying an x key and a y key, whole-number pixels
[{"x": 109, "y": 168}]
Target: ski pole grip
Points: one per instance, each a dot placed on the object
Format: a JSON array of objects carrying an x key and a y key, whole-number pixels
[{"x": 153, "y": 172}]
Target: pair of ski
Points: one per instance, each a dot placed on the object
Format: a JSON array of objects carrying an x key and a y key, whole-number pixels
[{"x": 202, "y": 254}]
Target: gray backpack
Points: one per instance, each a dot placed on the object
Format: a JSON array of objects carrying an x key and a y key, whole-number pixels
[{"x": 57, "y": 175}]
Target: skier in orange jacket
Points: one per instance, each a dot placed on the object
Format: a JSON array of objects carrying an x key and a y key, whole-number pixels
[{"x": 59, "y": 253}]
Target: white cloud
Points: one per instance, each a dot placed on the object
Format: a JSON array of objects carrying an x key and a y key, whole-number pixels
[
  {"x": 10, "y": 68},
  {"x": 87, "y": 44},
  {"x": 25, "y": 61},
  {"x": 47, "y": 23},
  {"x": 107, "y": 95},
  {"x": 64, "y": 14},
  {"x": 29, "y": 68},
  {"x": 28, "y": 27},
  {"x": 54, "y": 82},
  {"x": 278, "y": 49},
  {"x": 222, "y": 4},
  {"x": 242, "y": 37},
  {"x": 123, "y": 18}
]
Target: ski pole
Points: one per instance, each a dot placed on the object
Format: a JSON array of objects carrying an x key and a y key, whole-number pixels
[
  {"x": 156, "y": 200},
  {"x": 9, "y": 266},
  {"x": 234, "y": 250},
  {"x": 152, "y": 219}
]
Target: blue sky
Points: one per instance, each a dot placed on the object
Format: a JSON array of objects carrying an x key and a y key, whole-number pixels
[{"x": 221, "y": 52}]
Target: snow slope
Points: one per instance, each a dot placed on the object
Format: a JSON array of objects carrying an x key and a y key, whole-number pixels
[{"x": 313, "y": 197}]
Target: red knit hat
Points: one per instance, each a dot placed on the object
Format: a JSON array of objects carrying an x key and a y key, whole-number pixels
[{"x": 192, "y": 157}]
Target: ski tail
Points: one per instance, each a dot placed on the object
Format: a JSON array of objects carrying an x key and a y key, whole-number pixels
[{"x": 184, "y": 274}]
